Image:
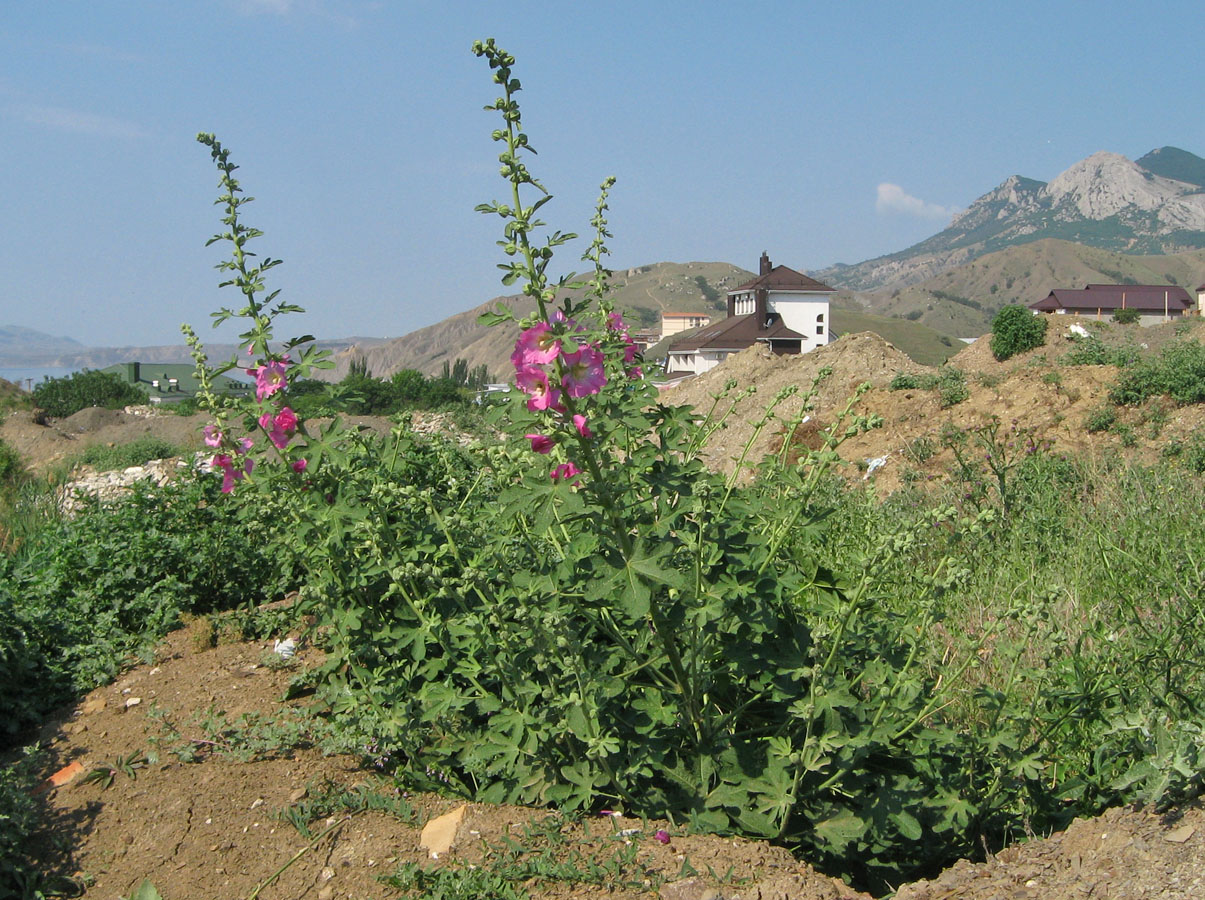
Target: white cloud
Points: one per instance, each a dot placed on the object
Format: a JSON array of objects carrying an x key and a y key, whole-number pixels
[
  {"x": 276, "y": 7},
  {"x": 78, "y": 122},
  {"x": 894, "y": 199}
]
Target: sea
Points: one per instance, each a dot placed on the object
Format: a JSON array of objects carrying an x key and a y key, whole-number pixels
[{"x": 29, "y": 377}]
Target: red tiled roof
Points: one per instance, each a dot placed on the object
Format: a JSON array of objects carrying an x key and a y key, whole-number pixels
[
  {"x": 781, "y": 278},
  {"x": 1149, "y": 297},
  {"x": 735, "y": 333}
]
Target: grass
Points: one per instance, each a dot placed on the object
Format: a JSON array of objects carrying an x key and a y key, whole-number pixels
[{"x": 105, "y": 458}]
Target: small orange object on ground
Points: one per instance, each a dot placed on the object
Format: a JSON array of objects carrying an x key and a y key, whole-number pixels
[{"x": 60, "y": 778}]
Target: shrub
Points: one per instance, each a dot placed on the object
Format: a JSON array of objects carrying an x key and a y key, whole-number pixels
[
  {"x": 1100, "y": 419},
  {"x": 1127, "y": 316},
  {"x": 61, "y": 397},
  {"x": 1016, "y": 329},
  {"x": 10, "y": 465},
  {"x": 83, "y": 595},
  {"x": 952, "y": 386}
]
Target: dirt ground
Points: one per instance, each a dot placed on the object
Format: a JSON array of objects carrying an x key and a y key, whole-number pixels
[{"x": 213, "y": 828}]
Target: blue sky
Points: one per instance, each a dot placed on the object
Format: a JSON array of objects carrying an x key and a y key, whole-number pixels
[{"x": 820, "y": 132}]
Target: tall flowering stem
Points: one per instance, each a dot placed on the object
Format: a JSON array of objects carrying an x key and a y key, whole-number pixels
[
  {"x": 571, "y": 369},
  {"x": 272, "y": 367}
]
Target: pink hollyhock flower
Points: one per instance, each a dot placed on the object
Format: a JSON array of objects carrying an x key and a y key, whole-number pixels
[
  {"x": 567, "y": 471},
  {"x": 540, "y": 443},
  {"x": 299, "y": 466},
  {"x": 231, "y": 471},
  {"x": 661, "y": 835},
  {"x": 534, "y": 382},
  {"x": 537, "y": 346},
  {"x": 280, "y": 427},
  {"x": 630, "y": 352},
  {"x": 579, "y": 422},
  {"x": 213, "y": 436},
  {"x": 584, "y": 373},
  {"x": 269, "y": 378}
]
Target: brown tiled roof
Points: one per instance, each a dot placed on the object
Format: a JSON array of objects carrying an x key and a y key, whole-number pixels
[
  {"x": 735, "y": 333},
  {"x": 781, "y": 278},
  {"x": 1149, "y": 297}
]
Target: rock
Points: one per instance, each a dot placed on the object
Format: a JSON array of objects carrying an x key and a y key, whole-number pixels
[{"x": 440, "y": 833}]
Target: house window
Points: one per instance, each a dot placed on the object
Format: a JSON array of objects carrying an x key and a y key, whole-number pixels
[
  {"x": 820, "y": 317},
  {"x": 820, "y": 330}
]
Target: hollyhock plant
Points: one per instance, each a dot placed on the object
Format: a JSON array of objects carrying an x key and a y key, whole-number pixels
[
  {"x": 280, "y": 427},
  {"x": 567, "y": 472},
  {"x": 213, "y": 436},
  {"x": 579, "y": 422},
  {"x": 540, "y": 443},
  {"x": 269, "y": 378},
  {"x": 541, "y": 394},
  {"x": 584, "y": 373},
  {"x": 231, "y": 470},
  {"x": 537, "y": 346}
]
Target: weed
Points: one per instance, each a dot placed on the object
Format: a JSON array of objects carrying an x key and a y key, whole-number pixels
[
  {"x": 920, "y": 450},
  {"x": 134, "y": 453},
  {"x": 1100, "y": 419},
  {"x": 104, "y": 773}
]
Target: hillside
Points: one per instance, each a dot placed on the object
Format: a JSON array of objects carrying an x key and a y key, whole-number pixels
[
  {"x": 642, "y": 293},
  {"x": 962, "y": 301},
  {"x": 1153, "y": 206}
]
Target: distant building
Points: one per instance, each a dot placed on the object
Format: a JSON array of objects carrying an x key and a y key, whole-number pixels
[
  {"x": 1201, "y": 300},
  {"x": 1155, "y": 303},
  {"x": 173, "y": 382},
  {"x": 781, "y": 308},
  {"x": 676, "y": 322}
]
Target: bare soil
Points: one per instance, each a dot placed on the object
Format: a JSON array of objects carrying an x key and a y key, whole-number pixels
[{"x": 212, "y": 828}]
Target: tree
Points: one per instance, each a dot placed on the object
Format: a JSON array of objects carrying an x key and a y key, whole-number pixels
[
  {"x": 1015, "y": 330},
  {"x": 1127, "y": 316},
  {"x": 60, "y": 397}
]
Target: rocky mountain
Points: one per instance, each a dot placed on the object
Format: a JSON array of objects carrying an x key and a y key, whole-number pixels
[
  {"x": 20, "y": 345},
  {"x": 1153, "y": 206}
]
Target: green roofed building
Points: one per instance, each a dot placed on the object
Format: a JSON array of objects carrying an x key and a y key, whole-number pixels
[{"x": 173, "y": 382}]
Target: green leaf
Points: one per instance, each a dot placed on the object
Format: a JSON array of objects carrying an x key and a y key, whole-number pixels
[
  {"x": 146, "y": 891},
  {"x": 839, "y": 830},
  {"x": 907, "y": 824}
]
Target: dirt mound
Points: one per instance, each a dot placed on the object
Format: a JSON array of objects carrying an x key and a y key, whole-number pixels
[
  {"x": 853, "y": 359},
  {"x": 1032, "y": 392},
  {"x": 94, "y": 418}
]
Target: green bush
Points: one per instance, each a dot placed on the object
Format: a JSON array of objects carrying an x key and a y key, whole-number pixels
[
  {"x": 1100, "y": 419},
  {"x": 60, "y": 397},
  {"x": 1016, "y": 329},
  {"x": 1127, "y": 316},
  {"x": 1178, "y": 373},
  {"x": 18, "y": 824},
  {"x": 83, "y": 595},
  {"x": 11, "y": 465}
]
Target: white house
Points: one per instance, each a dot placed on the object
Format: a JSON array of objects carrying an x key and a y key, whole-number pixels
[{"x": 781, "y": 308}]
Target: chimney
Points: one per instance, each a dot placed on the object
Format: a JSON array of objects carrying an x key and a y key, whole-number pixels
[
  {"x": 764, "y": 266},
  {"x": 759, "y": 306}
]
